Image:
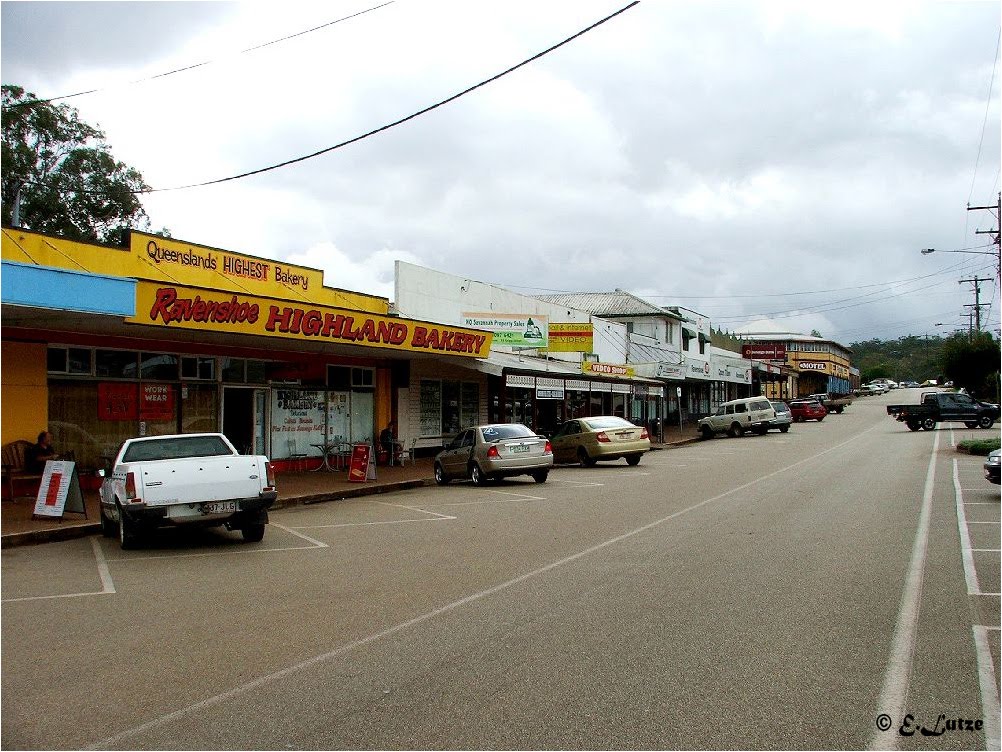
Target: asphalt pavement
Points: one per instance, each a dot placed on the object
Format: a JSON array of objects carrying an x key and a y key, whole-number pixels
[{"x": 799, "y": 590}]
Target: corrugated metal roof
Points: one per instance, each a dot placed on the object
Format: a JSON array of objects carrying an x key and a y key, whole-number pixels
[{"x": 609, "y": 304}]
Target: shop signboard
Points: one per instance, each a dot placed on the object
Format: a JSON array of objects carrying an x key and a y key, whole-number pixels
[
  {"x": 297, "y": 420},
  {"x": 59, "y": 491},
  {"x": 512, "y": 329},
  {"x": 571, "y": 338},
  {"x": 698, "y": 368},
  {"x": 520, "y": 381},
  {"x": 608, "y": 369},
  {"x": 549, "y": 388},
  {"x": 174, "y": 306},
  {"x": 765, "y": 351},
  {"x": 669, "y": 371},
  {"x": 818, "y": 366}
]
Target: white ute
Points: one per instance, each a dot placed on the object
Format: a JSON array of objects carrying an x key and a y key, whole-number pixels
[{"x": 185, "y": 479}]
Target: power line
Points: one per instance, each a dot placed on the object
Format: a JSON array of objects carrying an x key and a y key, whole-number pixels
[
  {"x": 192, "y": 66},
  {"x": 395, "y": 123}
]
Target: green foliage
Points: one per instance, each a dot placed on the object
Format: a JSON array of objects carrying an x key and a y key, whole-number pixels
[
  {"x": 912, "y": 358},
  {"x": 972, "y": 362},
  {"x": 69, "y": 182},
  {"x": 978, "y": 446}
]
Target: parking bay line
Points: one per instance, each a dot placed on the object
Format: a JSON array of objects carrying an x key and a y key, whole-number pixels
[
  {"x": 436, "y": 517},
  {"x": 350, "y": 647},
  {"x": 107, "y": 584}
]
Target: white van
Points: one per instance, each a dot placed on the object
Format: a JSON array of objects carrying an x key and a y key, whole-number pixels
[{"x": 737, "y": 416}]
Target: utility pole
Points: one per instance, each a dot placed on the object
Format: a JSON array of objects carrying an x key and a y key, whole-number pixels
[
  {"x": 998, "y": 236},
  {"x": 977, "y": 297}
]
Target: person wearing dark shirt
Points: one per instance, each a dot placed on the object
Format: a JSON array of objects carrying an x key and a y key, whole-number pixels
[
  {"x": 388, "y": 441},
  {"x": 39, "y": 453}
]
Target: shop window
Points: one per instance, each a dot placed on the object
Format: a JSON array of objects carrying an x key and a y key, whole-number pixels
[
  {"x": 234, "y": 370},
  {"x": 448, "y": 406},
  {"x": 71, "y": 360},
  {"x": 339, "y": 377},
  {"x": 363, "y": 378},
  {"x": 116, "y": 364},
  {"x": 257, "y": 372},
  {"x": 161, "y": 366},
  {"x": 203, "y": 369}
]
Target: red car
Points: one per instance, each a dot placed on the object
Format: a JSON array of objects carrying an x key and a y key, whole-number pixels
[{"x": 807, "y": 410}]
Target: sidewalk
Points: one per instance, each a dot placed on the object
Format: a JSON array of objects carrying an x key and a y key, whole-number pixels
[{"x": 17, "y": 528}]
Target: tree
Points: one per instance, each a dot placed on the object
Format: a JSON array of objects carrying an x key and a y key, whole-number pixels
[
  {"x": 68, "y": 181},
  {"x": 972, "y": 361}
]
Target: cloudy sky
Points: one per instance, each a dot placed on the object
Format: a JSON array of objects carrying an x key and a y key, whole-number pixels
[{"x": 773, "y": 165}]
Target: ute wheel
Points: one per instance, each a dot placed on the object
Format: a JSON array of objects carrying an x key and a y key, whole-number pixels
[
  {"x": 440, "y": 477},
  {"x": 913, "y": 425},
  {"x": 478, "y": 476},
  {"x": 986, "y": 421},
  {"x": 253, "y": 532},
  {"x": 820, "y": 419},
  {"x": 928, "y": 424},
  {"x": 584, "y": 458},
  {"x": 734, "y": 431},
  {"x": 762, "y": 431},
  {"x": 971, "y": 423},
  {"x": 633, "y": 459},
  {"x": 128, "y": 535},
  {"x": 540, "y": 476},
  {"x": 784, "y": 429},
  {"x": 839, "y": 410},
  {"x": 706, "y": 433}
]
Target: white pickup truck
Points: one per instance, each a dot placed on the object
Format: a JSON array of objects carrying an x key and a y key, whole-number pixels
[{"x": 185, "y": 479}]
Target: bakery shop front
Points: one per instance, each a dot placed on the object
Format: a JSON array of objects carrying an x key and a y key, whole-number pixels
[{"x": 103, "y": 343}]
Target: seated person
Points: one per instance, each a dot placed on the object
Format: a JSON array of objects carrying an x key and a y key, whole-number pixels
[
  {"x": 388, "y": 441},
  {"x": 39, "y": 453}
]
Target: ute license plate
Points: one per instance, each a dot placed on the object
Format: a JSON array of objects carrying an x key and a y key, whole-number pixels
[
  {"x": 518, "y": 448},
  {"x": 219, "y": 507}
]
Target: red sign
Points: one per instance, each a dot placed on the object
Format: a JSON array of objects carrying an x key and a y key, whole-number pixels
[
  {"x": 117, "y": 401},
  {"x": 764, "y": 352},
  {"x": 358, "y": 470},
  {"x": 156, "y": 402}
]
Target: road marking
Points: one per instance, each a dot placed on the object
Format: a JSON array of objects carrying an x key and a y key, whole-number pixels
[
  {"x": 970, "y": 573},
  {"x": 337, "y": 652},
  {"x": 975, "y": 522},
  {"x": 899, "y": 665},
  {"x": 989, "y": 550},
  {"x": 314, "y": 541},
  {"x": 577, "y": 483},
  {"x": 107, "y": 584},
  {"x": 412, "y": 509},
  {"x": 989, "y": 691}
]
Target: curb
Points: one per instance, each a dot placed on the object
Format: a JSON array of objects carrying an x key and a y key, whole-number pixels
[{"x": 71, "y": 532}]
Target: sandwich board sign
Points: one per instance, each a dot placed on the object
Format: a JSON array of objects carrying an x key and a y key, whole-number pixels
[{"x": 59, "y": 491}]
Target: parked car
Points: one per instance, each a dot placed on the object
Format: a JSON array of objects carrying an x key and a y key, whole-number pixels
[
  {"x": 938, "y": 407},
  {"x": 783, "y": 417},
  {"x": 737, "y": 416},
  {"x": 992, "y": 467},
  {"x": 807, "y": 410},
  {"x": 195, "y": 480},
  {"x": 833, "y": 403},
  {"x": 495, "y": 451},
  {"x": 599, "y": 437}
]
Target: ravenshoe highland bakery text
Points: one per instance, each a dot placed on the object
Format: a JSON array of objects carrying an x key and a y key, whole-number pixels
[{"x": 205, "y": 309}]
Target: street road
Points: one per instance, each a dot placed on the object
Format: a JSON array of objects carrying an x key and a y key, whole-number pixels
[{"x": 799, "y": 590}]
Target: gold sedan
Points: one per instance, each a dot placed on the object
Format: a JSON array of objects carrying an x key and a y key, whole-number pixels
[{"x": 600, "y": 437}]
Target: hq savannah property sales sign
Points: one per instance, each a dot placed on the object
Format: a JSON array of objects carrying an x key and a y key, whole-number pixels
[{"x": 227, "y": 312}]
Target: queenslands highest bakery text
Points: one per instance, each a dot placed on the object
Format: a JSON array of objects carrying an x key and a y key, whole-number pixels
[{"x": 223, "y": 312}]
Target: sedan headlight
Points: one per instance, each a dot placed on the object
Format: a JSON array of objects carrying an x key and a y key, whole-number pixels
[{"x": 992, "y": 460}]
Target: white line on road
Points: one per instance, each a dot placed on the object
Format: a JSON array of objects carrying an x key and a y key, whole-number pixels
[
  {"x": 314, "y": 541},
  {"x": 899, "y": 665},
  {"x": 337, "y": 652},
  {"x": 989, "y": 691},
  {"x": 970, "y": 573},
  {"x": 989, "y": 522},
  {"x": 107, "y": 584}
]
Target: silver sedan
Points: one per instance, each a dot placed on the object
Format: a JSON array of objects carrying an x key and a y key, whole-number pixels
[{"x": 492, "y": 452}]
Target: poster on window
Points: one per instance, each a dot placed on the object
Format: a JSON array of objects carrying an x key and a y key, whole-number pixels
[
  {"x": 431, "y": 408},
  {"x": 297, "y": 421},
  {"x": 156, "y": 402},
  {"x": 117, "y": 401}
]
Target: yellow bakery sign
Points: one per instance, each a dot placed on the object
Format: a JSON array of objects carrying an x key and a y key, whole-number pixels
[{"x": 211, "y": 310}]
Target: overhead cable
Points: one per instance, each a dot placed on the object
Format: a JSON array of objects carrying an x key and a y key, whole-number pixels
[{"x": 192, "y": 66}]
